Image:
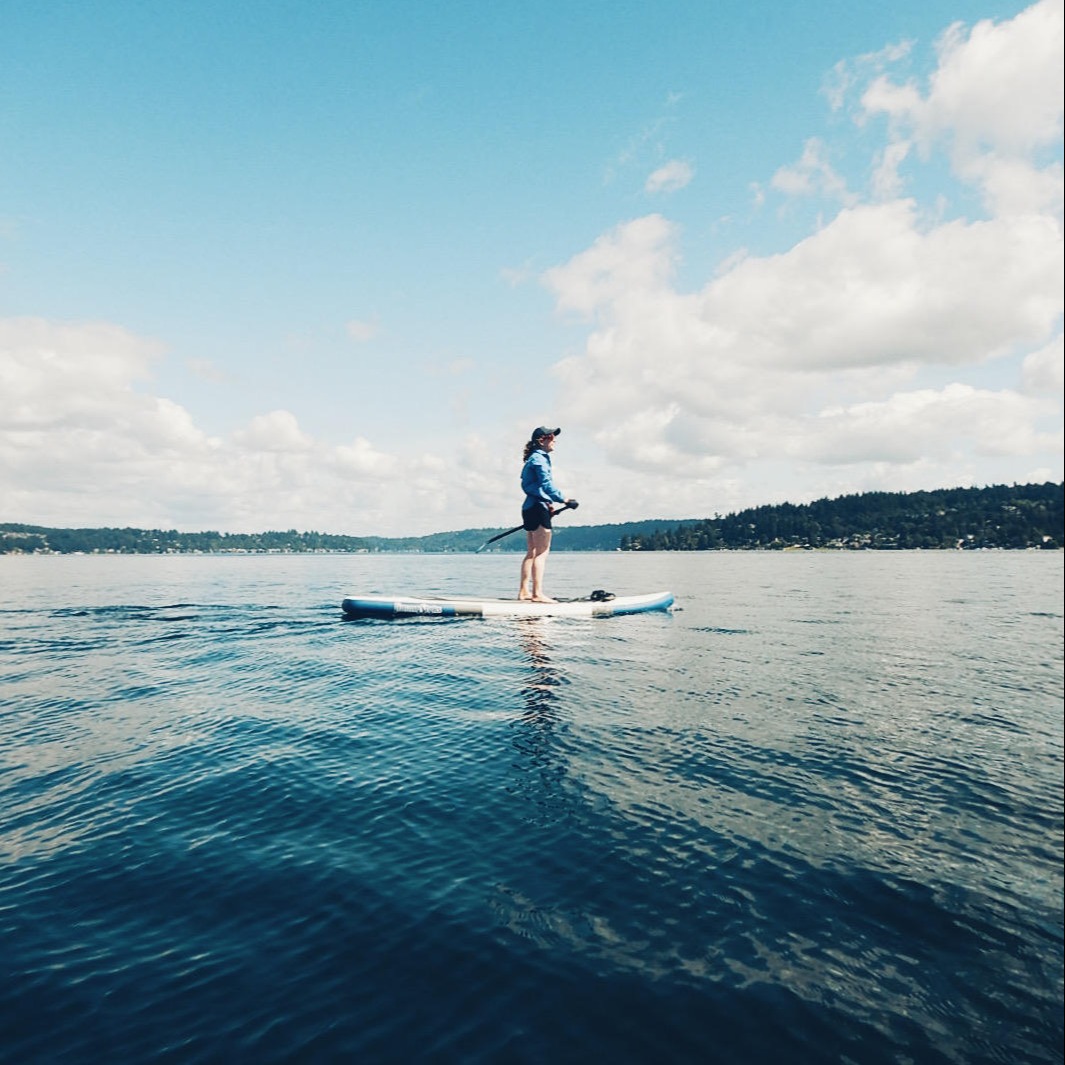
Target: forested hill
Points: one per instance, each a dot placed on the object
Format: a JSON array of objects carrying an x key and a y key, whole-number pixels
[{"x": 1015, "y": 517}]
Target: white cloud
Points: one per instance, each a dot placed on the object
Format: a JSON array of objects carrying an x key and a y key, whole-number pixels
[
  {"x": 676, "y": 174},
  {"x": 812, "y": 175},
  {"x": 926, "y": 424},
  {"x": 990, "y": 90},
  {"x": 865, "y": 346},
  {"x": 847, "y": 73},
  {"x": 632, "y": 258},
  {"x": 994, "y": 101},
  {"x": 694, "y": 384},
  {"x": 1042, "y": 371},
  {"x": 51, "y": 375},
  {"x": 80, "y": 445},
  {"x": 360, "y": 457},
  {"x": 886, "y": 182},
  {"x": 276, "y": 431},
  {"x": 874, "y": 287},
  {"x": 1012, "y": 186},
  {"x": 753, "y": 368}
]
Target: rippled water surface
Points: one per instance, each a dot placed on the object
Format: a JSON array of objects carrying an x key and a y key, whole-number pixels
[{"x": 815, "y": 815}]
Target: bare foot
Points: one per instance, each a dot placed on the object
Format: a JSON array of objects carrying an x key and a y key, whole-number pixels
[
  {"x": 524, "y": 597},
  {"x": 543, "y": 599}
]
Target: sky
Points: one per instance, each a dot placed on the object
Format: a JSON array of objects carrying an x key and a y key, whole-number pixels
[{"x": 324, "y": 265}]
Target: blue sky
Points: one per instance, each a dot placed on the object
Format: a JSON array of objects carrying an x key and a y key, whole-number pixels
[{"x": 324, "y": 265}]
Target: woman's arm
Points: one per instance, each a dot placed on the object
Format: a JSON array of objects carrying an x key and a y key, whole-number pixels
[{"x": 539, "y": 483}]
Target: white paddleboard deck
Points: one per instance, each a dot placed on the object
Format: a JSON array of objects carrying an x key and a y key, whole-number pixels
[{"x": 382, "y": 606}]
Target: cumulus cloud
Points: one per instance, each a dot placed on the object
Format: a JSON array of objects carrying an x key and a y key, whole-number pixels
[
  {"x": 879, "y": 285},
  {"x": 863, "y": 344},
  {"x": 51, "y": 375},
  {"x": 847, "y": 73},
  {"x": 886, "y": 181},
  {"x": 812, "y": 174},
  {"x": 990, "y": 90},
  {"x": 924, "y": 424},
  {"x": 1042, "y": 372},
  {"x": 75, "y": 429},
  {"x": 694, "y": 382},
  {"x": 80, "y": 443},
  {"x": 362, "y": 458},
  {"x": 635, "y": 257},
  {"x": 276, "y": 431},
  {"x": 994, "y": 101},
  {"x": 876, "y": 285},
  {"x": 676, "y": 174}
]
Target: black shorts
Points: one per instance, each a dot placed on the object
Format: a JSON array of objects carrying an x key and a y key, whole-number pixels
[{"x": 538, "y": 516}]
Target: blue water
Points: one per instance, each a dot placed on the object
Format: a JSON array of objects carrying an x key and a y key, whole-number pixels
[{"x": 815, "y": 815}]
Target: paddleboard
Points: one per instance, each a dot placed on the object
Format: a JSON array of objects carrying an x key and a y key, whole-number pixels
[{"x": 384, "y": 606}]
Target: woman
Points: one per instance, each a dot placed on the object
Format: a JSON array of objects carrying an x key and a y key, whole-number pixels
[{"x": 536, "y": 512}]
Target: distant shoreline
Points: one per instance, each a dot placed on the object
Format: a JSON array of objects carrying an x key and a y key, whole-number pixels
[
  {"x": 1000, "y": 517},
  {"x": 484, "y": 554}
]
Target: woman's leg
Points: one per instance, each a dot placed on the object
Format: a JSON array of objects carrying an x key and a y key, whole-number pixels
[
  {"x": 536, "y": 555},
  {"x": 525, "y": 588}
]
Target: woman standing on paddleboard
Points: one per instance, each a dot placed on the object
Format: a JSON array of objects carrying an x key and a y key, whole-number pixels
[{"x": 536, "y": 511}]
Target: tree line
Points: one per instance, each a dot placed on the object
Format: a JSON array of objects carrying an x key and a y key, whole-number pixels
[
  {"x": 1001, "y": 516},
  {"x": 1010, "y": 517},
  {"x": 39, "y": 539}
]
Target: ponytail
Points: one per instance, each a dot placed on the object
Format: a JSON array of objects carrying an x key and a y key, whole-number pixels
[{"x": 530, "y": 447}]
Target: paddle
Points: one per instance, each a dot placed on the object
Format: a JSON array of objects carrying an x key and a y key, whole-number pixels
[{"x": 571, "y": 505}]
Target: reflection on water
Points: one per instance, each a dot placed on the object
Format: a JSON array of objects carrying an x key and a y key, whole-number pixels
[
  {"x": 537, "y": 728},
  {"x": 543, "y": 679}
]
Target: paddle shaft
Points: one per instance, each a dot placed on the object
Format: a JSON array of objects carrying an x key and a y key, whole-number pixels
[{"x": 499, "y": 536}]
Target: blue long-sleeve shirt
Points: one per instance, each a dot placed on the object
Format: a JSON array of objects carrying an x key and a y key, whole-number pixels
[{"x": 536, "y": 481}]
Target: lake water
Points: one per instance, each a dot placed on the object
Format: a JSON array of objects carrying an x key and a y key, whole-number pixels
[{"x": 814, "y": 815}]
